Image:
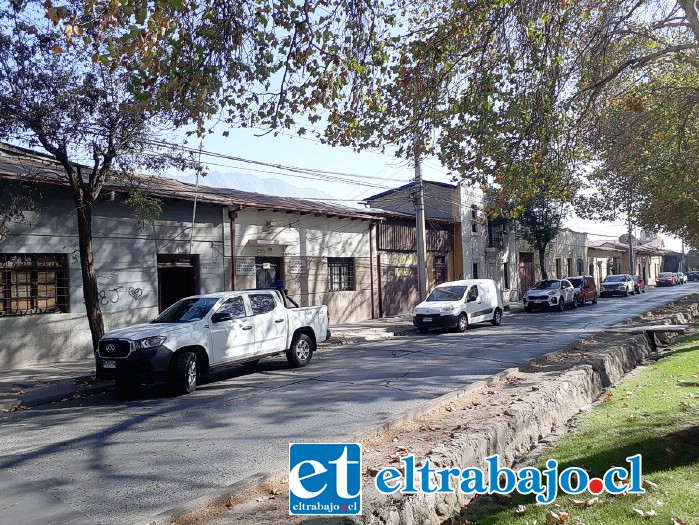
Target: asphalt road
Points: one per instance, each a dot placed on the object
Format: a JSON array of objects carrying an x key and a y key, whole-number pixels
[{"x": 108, "y": 460}]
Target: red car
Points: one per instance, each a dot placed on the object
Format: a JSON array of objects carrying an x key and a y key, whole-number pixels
[
  {"x": 639, "y": 285},
  {"x": 666, "y": 279},
  {"x": 585, "y": 289}
]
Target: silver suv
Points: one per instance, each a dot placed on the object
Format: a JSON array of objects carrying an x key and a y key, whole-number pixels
[{"x": 621, "y": 284}]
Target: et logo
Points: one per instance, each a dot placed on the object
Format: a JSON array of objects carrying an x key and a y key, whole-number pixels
[{"x": 325, "y": 479}]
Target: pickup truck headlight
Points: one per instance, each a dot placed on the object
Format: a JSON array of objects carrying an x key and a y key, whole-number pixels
[{"x": 149, "y": 342}]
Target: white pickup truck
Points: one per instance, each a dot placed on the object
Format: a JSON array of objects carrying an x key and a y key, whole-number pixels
[{"x": 199, "y": 333}]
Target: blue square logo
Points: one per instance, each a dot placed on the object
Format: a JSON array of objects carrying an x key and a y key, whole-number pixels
[{"x": 325, "y": 479}]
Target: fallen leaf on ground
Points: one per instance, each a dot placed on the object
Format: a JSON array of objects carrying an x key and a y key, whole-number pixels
[
  {"x": 648, "y": 484},
  {"x": 584, "y": 503},
  {"x": 678, "y": 521},
  {"x": 642, "y": 514},
  {"x": 552, "y": 517},
  {"x": 521, "y": 510}
]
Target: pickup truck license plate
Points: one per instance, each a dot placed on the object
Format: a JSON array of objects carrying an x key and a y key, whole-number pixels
[
  {"x": 427, "y": 319},
  {"x": 109, "y": 363}
]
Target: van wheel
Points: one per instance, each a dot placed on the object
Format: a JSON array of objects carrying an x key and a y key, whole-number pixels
[
  {"x": 423, "y": 329},
  {"x": 301, "y": 351},
  {"x": 462, "y": 323},
  {"x": 594, "y": 299},
  {"x": 184, "y": 377},
  {"x": 497, "y": 317}
]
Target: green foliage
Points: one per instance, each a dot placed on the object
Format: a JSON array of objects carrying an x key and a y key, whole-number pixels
[
  {"x": 16, "y": 199},
  {"x": 692, "y": 259},
  {"x": 146, "y": 208}
]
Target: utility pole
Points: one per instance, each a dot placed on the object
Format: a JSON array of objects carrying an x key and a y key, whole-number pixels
[
  {"x": 419, "y": 202},
  {"x": 631, "y": 261},
  {"x": 682, "y": 264}
]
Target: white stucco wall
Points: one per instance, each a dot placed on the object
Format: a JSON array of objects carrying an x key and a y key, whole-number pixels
[
  {"x": 293, "y": 237},
  {"x": 125, "y": 258}
]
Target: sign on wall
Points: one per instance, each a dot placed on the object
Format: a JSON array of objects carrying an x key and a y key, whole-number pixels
[
  {"x": 298, "y": 266},
  {"x": 245, "y": 266}
]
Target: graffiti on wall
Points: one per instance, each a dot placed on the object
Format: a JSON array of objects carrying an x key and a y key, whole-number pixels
[{"x": 110, "y": 296}]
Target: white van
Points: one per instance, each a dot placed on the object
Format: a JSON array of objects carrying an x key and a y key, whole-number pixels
[{"x": 457, "y": 304}]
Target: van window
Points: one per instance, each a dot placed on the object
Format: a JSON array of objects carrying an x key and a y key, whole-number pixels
[
  {"x": 472, "y": 293},
  {"x": 447, "y": 293}
]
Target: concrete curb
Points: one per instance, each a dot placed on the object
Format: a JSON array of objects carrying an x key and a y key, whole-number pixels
[
  {"x": 216, "y": 497},
  {"x": 407, "y": 510},
  {"x": 56, "y": 392}
]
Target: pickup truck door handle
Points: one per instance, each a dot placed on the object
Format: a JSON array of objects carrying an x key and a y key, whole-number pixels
[
  {"x": 279, "y": 321},
  {"x": 247, "y": 327}
]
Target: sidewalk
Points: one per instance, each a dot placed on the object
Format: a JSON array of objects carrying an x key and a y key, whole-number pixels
[{"x": 36, "y": 385}]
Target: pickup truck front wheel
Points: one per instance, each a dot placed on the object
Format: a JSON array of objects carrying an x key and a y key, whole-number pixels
[
  {"x": 184, "y": 377},
  {"x": 301, "y": 351}
]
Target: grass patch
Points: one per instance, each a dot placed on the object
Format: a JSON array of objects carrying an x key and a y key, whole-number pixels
[{"x": 655, "y": 414}]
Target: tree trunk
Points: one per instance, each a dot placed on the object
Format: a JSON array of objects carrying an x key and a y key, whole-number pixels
[
  {"x": 542, "y": 262},
  {"x": 90, "y": 290}
]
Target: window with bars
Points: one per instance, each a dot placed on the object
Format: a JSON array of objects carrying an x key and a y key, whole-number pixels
[
  {"x": 341, "y": 274},
  {"x": 33, "y": 284}
]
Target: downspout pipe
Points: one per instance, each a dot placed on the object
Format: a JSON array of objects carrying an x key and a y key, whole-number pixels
[
  {"x": 232, "y": 216},
  {"x": 371, "y": 267}
]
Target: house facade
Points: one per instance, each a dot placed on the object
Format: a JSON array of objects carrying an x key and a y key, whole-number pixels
[
  {"x": 396, "y": 242},
  {"x": 323, "y": 254},
  {"x": 612, "y": 257},
  {"x": 494, "y": 249}
]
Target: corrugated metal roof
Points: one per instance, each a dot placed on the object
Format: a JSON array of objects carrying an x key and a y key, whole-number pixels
[{"x": 22, "y": 164}]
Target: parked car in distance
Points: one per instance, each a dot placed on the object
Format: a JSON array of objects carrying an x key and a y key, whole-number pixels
[
  {"x": 666, "y": 279},
  {"x": 202, "y": 332},
  {"x": 692, "y": 276},
  {"x": 550, "y": 293},
  {"x": 681, "y": 278},
  {"x": 621, "y": 284},
  {"x": 639, "y": 284},
  {"x": 585, "y": 288},
  {"x": 458, "y": 304}
]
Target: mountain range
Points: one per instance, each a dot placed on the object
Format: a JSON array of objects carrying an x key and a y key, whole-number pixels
[{"x": 252, "y": 183}]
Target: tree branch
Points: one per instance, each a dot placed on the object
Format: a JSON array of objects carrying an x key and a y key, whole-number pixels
[{"x": 634, "y": 63}]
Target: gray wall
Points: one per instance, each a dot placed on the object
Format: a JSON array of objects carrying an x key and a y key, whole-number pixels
[{"x": 126, "y": 265}]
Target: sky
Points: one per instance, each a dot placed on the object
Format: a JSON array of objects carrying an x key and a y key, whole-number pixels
[{"x": 362, "y": 174}]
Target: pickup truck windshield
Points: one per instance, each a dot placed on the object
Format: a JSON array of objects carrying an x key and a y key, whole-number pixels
[
  {"x": 447, "y": 293},
  {"x": 187, "y": 310}
]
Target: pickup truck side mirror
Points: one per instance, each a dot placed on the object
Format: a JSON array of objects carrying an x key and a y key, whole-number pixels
[{"x": 221, "y": 316}]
